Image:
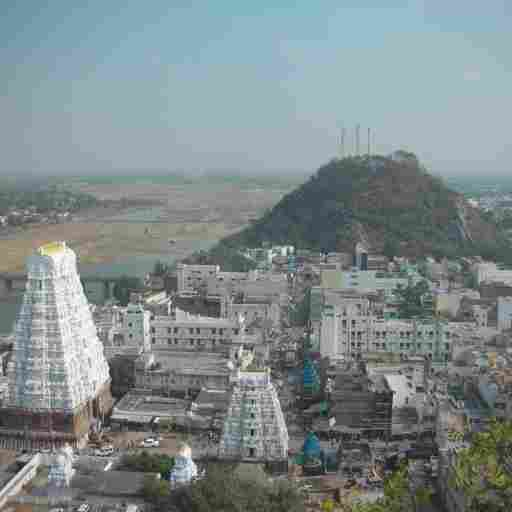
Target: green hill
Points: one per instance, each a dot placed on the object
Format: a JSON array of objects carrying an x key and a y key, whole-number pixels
[{"x": 391, "y": 203}]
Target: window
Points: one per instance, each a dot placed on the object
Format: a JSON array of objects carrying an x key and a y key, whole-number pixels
[
  {"x": 213, "y": 343},
  {"x": 168, "y": 330},
  {"x": 236, "y": 331},
  {"x": 198, "y": 330},
  {"x": 130, "y": 324},
  {"x": 221, "y": 331},
  {"x": 153, "y": 330},
  {"x": 169, "y": 341},
  {"x": 214, "y": 330},
  {"x": 191, "y": 342},
  {"x": 191, "y": 330},
  {"x": 153, "y": 340},
  {"x": 175, "y": 341},
  {"x": 175, "y": 330},
  {"x": 252, "y": 432},
  {"x": 130, "y": 335}
]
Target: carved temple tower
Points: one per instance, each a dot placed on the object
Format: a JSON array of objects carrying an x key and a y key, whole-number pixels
[{"x": 59, "y": 381}]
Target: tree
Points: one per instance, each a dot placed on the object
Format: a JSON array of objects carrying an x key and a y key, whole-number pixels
[
  {"x": 224, "y": 490},
  {"x": 148, "y": 463},
  {"x": 160, "y": 269},
  {"x": 483, "y": 471},
  {"x": 411, "y": 299},
  {"x": 156, "y": 491},
  {"x": 299, "y": 312},
  {"x": 167, "y": 424},
  {"x": 398, "y": 497},
  {"x": 391, "y": 248},
  {"x": 124, "y": 286}
]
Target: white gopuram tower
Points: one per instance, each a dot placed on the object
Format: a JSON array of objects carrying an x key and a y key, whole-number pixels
[
  {"x": 254, "y": 429},
  {"x": 59, "y": 379}
]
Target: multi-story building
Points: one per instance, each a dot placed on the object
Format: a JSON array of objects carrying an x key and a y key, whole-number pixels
[
  {"x": 358, "y": 402},
  {"x": 254, "y": 429},
  {"x": 177, "y": 373},
  {"x": 367, "y": 281},
  {"x": 490, "y": 272},
  {"x": 186, "y": 332},
  {"x": 191, "y": 277},
  {"x": 351, "y": 329},
  {"x": 251, "y": 312},
  {"x": 504, "y": 313},
  {"x": 58, "y": 376},
  {"x": 123, "y": 330}
]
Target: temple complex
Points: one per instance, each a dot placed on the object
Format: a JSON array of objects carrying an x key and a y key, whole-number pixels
[
  {"x": 58, "y": 377},
  {"x": 254, "y": 429}
]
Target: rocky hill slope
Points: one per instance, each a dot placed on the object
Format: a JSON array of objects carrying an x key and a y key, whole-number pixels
[{"x": 392, "y": 203}]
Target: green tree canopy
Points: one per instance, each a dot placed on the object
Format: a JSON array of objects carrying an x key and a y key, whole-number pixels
[
  {"x": 398, "y": 496},
  {"x": 411, "y": 299},
  {"x": 224, "y": 490},
  {"x": 148, "y": 463},
  {"x": 483, "y": 471},
  {"x": 160, "y": 268},
  {"x": 124, "y": 286}
]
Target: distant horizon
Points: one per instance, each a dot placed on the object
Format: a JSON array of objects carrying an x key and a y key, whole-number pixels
[
  {"x": 484, "y": 176},
  {"x": 261, "y": 87}
]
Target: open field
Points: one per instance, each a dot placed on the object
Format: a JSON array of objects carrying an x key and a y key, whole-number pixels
[{"x": 182, "y": 213}]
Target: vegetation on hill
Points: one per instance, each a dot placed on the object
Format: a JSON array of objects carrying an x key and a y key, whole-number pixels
[{"x": 392, "y": 204}]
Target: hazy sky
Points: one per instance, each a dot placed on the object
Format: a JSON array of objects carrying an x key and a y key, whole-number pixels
[{"x": 116, "y": 85}]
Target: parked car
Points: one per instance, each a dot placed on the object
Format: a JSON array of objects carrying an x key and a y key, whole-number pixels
[
  {"x": 104, "y": 451},
  {"x": 150, "y": 442},
  {"x": 84, "y": 507}
]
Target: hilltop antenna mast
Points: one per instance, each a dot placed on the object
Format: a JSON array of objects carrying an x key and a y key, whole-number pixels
[
  {"x": 369, "y": 139},
  {"x": 342, "y": 143},
  {"x": 357, "y": 138}
]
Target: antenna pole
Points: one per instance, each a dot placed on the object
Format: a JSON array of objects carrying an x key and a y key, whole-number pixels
[
  {"x": 369, "y": 131},
  {"x": 357, "y": 139}
]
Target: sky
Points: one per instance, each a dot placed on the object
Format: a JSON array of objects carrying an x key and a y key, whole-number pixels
[{"x": 123, "y": 86}]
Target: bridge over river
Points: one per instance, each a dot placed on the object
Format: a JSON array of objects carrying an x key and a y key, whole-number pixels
[{"x": 97, "y": 288}]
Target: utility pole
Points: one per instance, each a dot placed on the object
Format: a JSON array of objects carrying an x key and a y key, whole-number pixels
[
  {"x": 358, "y": 127},
  {"x": 369, "y": 132}
]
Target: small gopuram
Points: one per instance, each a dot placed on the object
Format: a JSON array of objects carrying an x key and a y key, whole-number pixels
[
  {"x": 59, "y": 381},
  {"x": 254, "y": 429}
]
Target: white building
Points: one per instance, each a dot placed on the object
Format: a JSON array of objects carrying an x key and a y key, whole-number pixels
[
  {"x": 489, "y": 272},
  {"x": 504, "y": 313},
  {"x": 368, "y": 281},
  {"x": 187, "y": 332},
  {"x": 351, "y": 329},
  {"x": 263, "y": 311}
]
